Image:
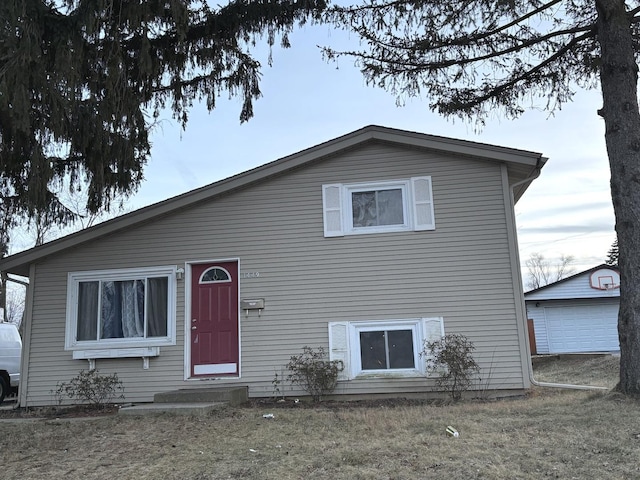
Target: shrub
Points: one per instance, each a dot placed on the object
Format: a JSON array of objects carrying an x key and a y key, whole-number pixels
[
  {"x": 278, "y": 393},
  {"x": 92, "y": 388},
  {"x": 313, "y": 372},
  {"x": 451, "y": 359}
]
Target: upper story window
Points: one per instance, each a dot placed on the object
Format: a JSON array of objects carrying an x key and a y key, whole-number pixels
[
  {"x": 120, "y": 308},
  {"x": 377, "y": 208},
  {"x": 394, "y": 206}
]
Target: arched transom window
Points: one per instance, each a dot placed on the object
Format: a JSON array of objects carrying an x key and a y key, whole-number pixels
[{"x": 214, "y": 275}]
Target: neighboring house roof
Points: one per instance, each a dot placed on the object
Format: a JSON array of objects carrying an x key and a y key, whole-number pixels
[
  {"x": 523, "y": 167},
  {"x": 549, "y": 291}
]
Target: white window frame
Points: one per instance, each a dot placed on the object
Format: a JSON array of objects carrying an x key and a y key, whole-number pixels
[
  {"x": 118, "y": 347},
  {"x": 417, "y": 206},
  {"x": 344, "y": 344}
]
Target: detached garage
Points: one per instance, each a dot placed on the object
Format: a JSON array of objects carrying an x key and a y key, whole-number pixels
[{"x": 578, "y": 314}]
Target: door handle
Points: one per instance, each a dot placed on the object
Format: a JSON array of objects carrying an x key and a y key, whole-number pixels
[{"x": 193, "y": 328}]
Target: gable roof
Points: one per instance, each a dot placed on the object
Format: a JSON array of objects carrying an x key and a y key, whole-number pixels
[
  {"x": 523, "y": 167},
  {"x": 567, "y": 279}
]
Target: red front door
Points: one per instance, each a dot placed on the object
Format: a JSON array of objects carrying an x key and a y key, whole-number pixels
[{"x": 214, "y": 320}]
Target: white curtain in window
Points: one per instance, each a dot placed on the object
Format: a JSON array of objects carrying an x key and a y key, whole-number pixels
[{"x": 123, "y": 309}]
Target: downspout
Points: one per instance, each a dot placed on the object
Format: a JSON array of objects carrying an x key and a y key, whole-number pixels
[
  {"x": 533, "y": 381},
  {"x": 6, "y": 278},
  {"x": 3, "y": 295}
]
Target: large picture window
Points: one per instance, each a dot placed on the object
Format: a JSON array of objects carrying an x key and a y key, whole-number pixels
[
  {"x": 393, "y": 206},
  {"x": 121, "y": 308}
]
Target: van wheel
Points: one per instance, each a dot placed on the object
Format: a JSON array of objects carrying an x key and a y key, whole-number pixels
[{"x": 4, "y": 388}]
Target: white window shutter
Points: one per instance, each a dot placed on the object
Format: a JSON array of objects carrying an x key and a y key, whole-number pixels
[
  {"x": 422, "y": 193},
  {"x": 339, "y": 346},
  {"x": 332, "y": 210},
  {"x": 433, "y": 330}
]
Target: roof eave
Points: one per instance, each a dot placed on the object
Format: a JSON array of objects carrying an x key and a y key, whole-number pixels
[{"x": 18, "y": 263}]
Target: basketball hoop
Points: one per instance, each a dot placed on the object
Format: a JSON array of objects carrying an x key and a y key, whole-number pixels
[{"x": 604, "y": 279}]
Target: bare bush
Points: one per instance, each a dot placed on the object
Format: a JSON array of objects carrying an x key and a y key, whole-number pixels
[
  {"x": 451, "y": 359},
  {"x": 314, "y": 372},
  {"x": 92, "y": 388}
]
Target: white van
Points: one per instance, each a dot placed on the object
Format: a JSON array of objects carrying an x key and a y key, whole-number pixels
[{"x": 10, "y": 352}]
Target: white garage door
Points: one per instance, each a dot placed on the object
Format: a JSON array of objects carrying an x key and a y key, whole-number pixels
[{"x": 582, "y": 328}]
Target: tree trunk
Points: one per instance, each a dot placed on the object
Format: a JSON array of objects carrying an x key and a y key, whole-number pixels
[{"x": 619, "y": 78}]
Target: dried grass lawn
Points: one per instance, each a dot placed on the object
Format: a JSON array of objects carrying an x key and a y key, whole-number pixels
[{"x": 548, "y": 434}]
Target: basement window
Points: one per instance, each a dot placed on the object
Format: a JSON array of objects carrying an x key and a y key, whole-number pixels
[{"x": 384, "y": 347}]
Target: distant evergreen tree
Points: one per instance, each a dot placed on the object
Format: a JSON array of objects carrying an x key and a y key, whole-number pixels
[{"x": 612, "y": 254}]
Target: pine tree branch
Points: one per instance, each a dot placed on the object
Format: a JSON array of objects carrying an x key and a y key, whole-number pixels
[
  {"x": 454, "y": 62},
  {"x": 454, "y": 41},
  {"x": 500, "y": 89}
]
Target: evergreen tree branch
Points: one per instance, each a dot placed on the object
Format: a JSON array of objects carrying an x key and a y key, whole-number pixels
[
  {"x": 421, "y": 64},
  {"x": 462, "y": 40},
  {"x": 82, "y": 81},
  {"x": 496, "y": 92}
]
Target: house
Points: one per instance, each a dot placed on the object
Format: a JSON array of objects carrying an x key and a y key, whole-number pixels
[
  {"x": 578, "y": 314},
  {"x": 368, "y": 245}
]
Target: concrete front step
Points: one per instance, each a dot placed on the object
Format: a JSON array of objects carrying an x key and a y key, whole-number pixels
[
  {"x": 194, "y": 409},
  {"x": 195, "y": 401},
  {"x": 229, "y": 395}
]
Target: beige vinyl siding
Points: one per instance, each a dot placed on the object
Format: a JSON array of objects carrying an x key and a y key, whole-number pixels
[{"x": 460, "y": 271}]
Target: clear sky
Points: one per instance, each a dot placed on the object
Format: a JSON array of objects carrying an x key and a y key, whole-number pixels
[{"x": 307, "y": 101}]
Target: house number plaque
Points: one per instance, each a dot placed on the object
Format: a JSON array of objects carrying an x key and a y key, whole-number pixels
[{"x": 249, "y": 274}]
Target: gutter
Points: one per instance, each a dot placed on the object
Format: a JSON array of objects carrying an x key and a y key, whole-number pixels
[
  {"x": 531, "y": 178},
  {"x": 7, "y": 278}
]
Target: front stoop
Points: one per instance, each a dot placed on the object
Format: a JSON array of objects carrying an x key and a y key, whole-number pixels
[
  {"x": 194, "y": 409},
  {"x": 231, "y": 395},
  {"x": 197, "y": 401}
]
